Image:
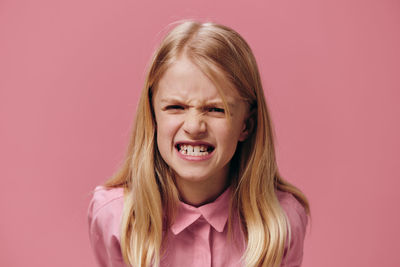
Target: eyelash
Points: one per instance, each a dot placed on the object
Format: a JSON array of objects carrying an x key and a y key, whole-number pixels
[
  {"x": 174, "y": 107},
  {"x": 213, "y": 109},
  {"x": 208, "y": 109}
]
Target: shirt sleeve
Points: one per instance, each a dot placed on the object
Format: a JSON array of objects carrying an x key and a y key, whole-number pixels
[
  {"x": 298, "y": 224},
  {"x": 104, "y": 224}
]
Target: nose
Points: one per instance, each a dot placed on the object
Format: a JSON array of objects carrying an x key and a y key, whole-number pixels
[{"x": 194, "y": 124}]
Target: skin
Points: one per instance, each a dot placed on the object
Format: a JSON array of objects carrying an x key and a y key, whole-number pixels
[{"x": 189, "y": 109}]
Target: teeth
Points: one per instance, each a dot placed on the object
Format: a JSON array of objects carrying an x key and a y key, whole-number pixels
[{"x": 193, "y": 150}]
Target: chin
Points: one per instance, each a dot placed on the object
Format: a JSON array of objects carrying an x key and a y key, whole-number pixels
[{"x": 191, "y": 178}]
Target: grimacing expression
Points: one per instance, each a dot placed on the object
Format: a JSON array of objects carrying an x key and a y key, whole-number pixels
[{"x": 194, "y": 134}]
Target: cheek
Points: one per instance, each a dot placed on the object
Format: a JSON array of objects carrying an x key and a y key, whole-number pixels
[
  {"x": 166, "y": 131},
  {"x": 227, "y": 136},
  {"x": 163, "y": 142},
  {"x": 229, "y": 132}
]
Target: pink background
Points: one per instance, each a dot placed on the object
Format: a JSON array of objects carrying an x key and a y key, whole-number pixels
[{"x": 71, "y": 72}]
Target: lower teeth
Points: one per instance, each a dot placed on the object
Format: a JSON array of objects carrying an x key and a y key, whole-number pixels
[{"x": 185, "y": 152}]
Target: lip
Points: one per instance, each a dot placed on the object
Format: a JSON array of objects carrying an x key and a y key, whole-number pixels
[{"x": 194, "y": 143}]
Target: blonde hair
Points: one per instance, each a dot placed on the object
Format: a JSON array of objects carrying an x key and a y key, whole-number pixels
[{"x": 150, "y": 193}]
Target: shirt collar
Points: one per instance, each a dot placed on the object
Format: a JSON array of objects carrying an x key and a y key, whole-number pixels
[{"x": 215, "y": 213}]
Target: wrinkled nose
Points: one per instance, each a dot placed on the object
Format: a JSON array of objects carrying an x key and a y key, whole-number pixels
[{"x": 194, "y": 124}]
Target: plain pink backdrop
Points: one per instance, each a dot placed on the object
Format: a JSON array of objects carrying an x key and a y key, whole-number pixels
[{"x": 71, "y": 72}]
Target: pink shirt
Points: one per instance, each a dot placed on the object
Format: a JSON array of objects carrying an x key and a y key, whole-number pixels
[{"x": 198, "y": 237}]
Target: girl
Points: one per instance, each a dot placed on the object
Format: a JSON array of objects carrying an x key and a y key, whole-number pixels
[{"x": 200, "y": 184}]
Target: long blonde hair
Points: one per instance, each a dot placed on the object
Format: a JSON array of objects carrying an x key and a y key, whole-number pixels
[{"x": 150, "y": 193}]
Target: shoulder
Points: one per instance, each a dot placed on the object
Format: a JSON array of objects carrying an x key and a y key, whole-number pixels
[
  {"x": 105, "y": 208},
  {"x": 106, "y": 200},
  {"x": 298, "y": 219},
  {"x": 104, "y": 218},
  {"x": 105, "y": 211}
]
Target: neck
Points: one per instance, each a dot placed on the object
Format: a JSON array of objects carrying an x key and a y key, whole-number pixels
[{"x": 198, "y": 193}]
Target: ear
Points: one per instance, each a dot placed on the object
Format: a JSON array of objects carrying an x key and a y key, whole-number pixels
[{"x": 248, "y": 127}]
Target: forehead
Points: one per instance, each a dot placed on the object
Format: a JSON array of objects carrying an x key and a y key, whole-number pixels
[{"x": 185, "y": 80}]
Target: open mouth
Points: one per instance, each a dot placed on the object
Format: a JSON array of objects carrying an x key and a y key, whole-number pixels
[{"x": 194, "y": 150}]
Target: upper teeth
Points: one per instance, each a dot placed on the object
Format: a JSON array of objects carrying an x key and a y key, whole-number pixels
[{"x": 193, "y": 150}]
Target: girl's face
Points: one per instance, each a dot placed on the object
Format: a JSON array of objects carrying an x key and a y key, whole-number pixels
[{"x": 194, "y": 135}]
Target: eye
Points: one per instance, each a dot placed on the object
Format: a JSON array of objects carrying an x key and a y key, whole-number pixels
[
  {"x": 215, "y": 109},
  {"x": 174, "y": 107}
]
